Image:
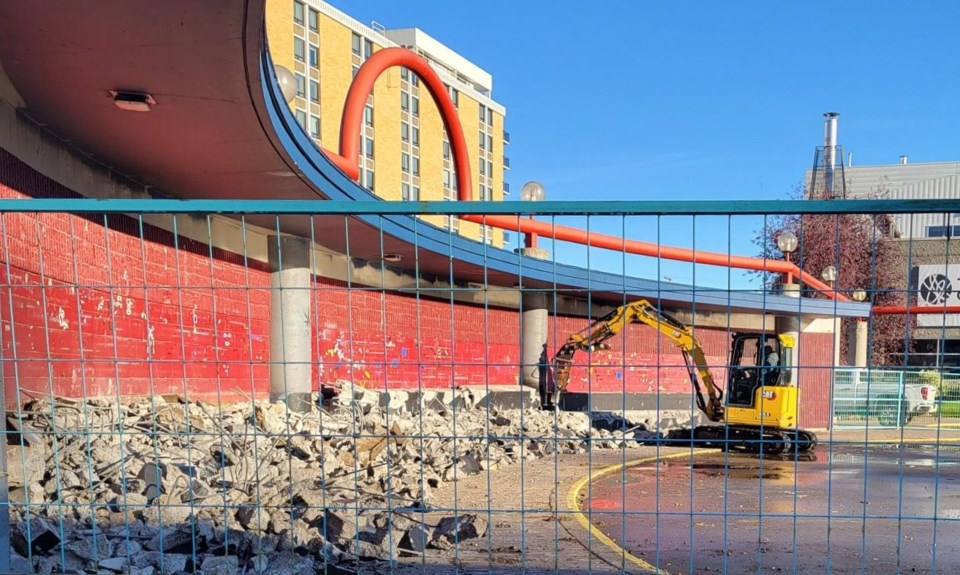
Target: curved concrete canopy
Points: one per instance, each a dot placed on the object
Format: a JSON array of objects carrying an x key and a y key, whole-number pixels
[{"x": 221, "y": 130}]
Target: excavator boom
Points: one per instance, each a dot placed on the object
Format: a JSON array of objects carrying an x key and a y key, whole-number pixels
[{"x": 595, "y": 335}]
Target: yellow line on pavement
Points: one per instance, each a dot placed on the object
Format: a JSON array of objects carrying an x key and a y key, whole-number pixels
[
  {"x": 573, "y": 504},
  {"x": 905, "y": 440}
]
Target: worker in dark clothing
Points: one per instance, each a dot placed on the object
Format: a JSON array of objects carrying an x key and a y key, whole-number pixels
[
  {"x": 770, "y": 366},
  {"x": 546, "y": 384}
]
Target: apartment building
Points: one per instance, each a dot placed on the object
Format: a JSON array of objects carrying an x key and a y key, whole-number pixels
[{"x": 405, "y": 154}]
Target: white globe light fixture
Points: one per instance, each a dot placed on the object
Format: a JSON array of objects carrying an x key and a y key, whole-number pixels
[
  {"x": 287, "y": 82},
  {"x": 859, "y": 294},
  {"x": 533, "y": 192},
  {"x": 787, "y": 242},
  {"x": 829, "y": 274}
]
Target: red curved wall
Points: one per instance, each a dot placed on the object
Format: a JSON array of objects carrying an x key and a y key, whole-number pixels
[{"x": 89, "y": 309}]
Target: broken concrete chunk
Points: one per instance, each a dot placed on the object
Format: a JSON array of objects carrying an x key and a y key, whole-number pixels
[
  {"x": 418, "y": 537},
  {"x": 452, "y": 530},
  {"x": 92, "y": 547},
  {"x": 115, "y": 564},
  {"x": 35, "y": 537},
  {"x": 339, "y": 525},
  {"x": 213, "y": 565}
]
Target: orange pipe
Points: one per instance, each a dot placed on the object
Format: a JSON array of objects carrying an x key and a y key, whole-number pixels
[
  {"x": 915, "y": 309},
  {"x": 576, "y": 235},
  {"x": 361, "y": 88},
  {"x": 349, "y": 158}
]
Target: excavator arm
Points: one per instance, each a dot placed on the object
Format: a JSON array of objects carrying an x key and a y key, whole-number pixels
[{"x": 596, "y": 334}]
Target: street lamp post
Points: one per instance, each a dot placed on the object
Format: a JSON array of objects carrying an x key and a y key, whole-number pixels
[
  {"x": 787, "y": 242},
  {"x": 859, "y": 332},
  {"x": 789, "y": 324},
  {"x": 829, "y": 275},
  {"x": 532, "y": 192},
  {"x": 534, "y": 308}
]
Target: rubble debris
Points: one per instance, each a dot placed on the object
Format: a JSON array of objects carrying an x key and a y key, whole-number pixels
[{"x": 160, "y": 485}]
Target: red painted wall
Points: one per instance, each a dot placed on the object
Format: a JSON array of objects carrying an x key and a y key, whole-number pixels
[{"x": 92, "y": 306}]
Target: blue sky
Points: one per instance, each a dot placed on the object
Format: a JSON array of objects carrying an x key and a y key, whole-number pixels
[{"x": 700, "y": 100}]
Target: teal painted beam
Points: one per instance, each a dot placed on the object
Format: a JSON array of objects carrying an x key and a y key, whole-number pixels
[{"x": 548, "y": 208}]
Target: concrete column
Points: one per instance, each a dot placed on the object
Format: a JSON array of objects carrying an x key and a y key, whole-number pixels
[
  {"x": 857, "y": 334},
  {"x": 291, "y": 364},
  {"x": 790, "y": 325},
  {"x": 533, "y": 327}
]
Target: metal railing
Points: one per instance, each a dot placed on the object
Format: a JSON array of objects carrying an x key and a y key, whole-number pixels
[{"x": 275, "y": 387}]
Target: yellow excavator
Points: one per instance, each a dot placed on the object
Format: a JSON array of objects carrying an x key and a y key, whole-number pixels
[{"x": 760, "y": 411}]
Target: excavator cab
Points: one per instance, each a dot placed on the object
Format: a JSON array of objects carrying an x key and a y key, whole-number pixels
[{"x": 760, "y": 387}]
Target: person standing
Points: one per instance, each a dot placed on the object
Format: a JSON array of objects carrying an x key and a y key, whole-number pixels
[{"x": 546, "y": 383}]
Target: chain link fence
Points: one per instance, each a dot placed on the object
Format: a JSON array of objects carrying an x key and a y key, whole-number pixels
[{"x": 326, "y": 387}]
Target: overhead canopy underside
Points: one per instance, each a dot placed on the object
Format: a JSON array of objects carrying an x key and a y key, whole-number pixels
[{"x": 220, "y": 131}]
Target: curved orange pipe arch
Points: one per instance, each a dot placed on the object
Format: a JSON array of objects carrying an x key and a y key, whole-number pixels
[
  {"x": 349, "y": 157},
  {"x": 362, "y": 87}
]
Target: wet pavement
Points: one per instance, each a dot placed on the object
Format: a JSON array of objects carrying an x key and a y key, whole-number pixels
[{"x": 844, "y": 509}]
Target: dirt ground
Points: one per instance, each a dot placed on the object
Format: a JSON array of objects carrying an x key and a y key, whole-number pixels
[{"x": 655, "y": 509}]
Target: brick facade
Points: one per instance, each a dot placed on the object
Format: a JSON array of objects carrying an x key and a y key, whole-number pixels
[{"x": 93, "y": 306}]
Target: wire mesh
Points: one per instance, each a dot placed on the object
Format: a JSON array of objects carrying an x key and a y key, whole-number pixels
[{"x": 340, "y": 388}]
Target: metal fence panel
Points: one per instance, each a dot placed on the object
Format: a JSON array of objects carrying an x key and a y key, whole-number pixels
[{"x": 273, "y": 387}]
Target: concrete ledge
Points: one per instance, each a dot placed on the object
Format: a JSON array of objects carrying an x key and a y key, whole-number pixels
[{"x": 578, "y": 401}]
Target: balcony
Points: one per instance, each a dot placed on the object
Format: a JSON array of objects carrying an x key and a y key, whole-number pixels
[
  {"x": 506, "y": 163},
  {"x": 506, "y": 189},
  {"x": 506, "y": 137}
]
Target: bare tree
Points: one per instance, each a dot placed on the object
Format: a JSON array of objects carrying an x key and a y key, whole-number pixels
[{"x": 861, "y": 250}]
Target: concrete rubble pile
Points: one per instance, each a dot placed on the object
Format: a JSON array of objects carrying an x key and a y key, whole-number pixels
[{"x": 159, "y": 485}]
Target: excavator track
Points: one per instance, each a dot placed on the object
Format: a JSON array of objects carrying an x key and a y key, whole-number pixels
[{"x": 747, "y": 439}]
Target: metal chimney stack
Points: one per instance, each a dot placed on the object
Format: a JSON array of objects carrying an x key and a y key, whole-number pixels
[{"x": 829, "y": 151}]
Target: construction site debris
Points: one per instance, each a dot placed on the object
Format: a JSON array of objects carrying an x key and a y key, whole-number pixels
[{"x": 157, "y": 485}]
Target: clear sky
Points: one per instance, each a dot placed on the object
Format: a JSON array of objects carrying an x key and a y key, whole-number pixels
[{"x": 699, "y": 100}]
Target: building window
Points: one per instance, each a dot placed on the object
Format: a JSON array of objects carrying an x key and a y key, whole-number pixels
[
  {"x": 355, "y": 70},
  {"x": 356, "y": 43},
  {"x": 483, "y": 141},
  {"x": 368, "y": 115},
  {"x": 489, "y": 116},
  {"x": 314, "y": 91},
  {"x": 368, "y": 147},
  {"x": 489, "y": 142},
  {"x": 298, "y": 12},
  {"x": 483, "y": 113},
  {"x": 414, "y": 79},
  {"x": 404, "y": 101},
  {"x": 405, "y": 162},
  {"x": 368, "y": 179},
  {"x": 409, "y": 193},
  {"x": 446, "y": 178},
  {"x": 405, "y": 131},
  {"x": 301, "y": 85},
  {"x": 404, "y": 73},
  {"x": 416, "y": 166},
  {"x": 302, "y": 119},
  {"x": 416, "y": 136},
  {"x": 415, "y": 109},
  {"x": 483, "y": 168},
  {"x": 943, "y": 231},
  {"x": 315, "y": 126},
  {"x": 313, "y": 20},
  {"x": 298, "y": 49},
  {"x": 446, "y": 150},
  {"x": 454, "y": 96},
  {"x": 367, "y": 48},
  {"x": 483, "y": 193},
  {"x": 489, "y": 168},
  {"x": 314, "y": 56}
]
